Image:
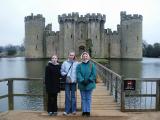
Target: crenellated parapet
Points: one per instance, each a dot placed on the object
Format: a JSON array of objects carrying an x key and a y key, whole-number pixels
[
  {"x": 95, "y": 17},
  {"x": 125, "y": 17},
  {"x": 34, "y": 17},
  {"x": 110, "y": 32},
  {"x": 48, "y": 27},
  {"x": 74, "y": 17},
  {"x": 51, "y": 33},
  {"x": 48, "y": 31}
]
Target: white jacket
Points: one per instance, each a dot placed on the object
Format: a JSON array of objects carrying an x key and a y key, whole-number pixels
[{"x": 72, "y": 72}]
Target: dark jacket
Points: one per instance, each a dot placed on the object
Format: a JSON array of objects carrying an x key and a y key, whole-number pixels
[{"x": 52, "y": 78}]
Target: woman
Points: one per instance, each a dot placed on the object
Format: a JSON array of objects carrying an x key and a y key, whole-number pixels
[
  {"x": 52, "y": 82},
  {"x": 68, "y": 68},
  {"x": 86, "y": 76}
]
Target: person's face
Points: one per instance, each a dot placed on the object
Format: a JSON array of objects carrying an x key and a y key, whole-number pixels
[
  {"x": 71, "y": 56},
  {"x": 85, "y": 57},
  {"x": 54, "y": 59}
]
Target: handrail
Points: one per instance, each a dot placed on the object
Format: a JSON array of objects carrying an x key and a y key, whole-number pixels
[
  {"x": 111, "y": 79},
  {"x": 144, "y": 79},
  {"x": 7, "y": 79},
  {"x": 107, "y": 69},
  {"x": 10, "y": 94}
]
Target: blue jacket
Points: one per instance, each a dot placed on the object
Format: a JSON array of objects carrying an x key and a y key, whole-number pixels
[{"x": 86, "y": 71}]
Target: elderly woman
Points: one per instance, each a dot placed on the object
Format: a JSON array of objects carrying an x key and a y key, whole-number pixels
[{"x": 86, "y": 76}]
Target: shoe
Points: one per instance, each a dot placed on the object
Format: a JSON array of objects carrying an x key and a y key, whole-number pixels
[
  {"x": 83, "y": 113},
  {"x": 50, "y": 113},
  {"x": 55, "y": 113},
  {"x": 73, "y": 113},
  {"x": 65, "y": 114},
  {"x": 88, "y": 114}
]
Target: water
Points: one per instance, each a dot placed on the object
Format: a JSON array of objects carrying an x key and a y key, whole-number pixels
[
  {"x": 18, "y": 67},
  {"x": 147, "y": 68}
]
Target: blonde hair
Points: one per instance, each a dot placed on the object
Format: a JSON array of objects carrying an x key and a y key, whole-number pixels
[{"x": 86, "y": 54}]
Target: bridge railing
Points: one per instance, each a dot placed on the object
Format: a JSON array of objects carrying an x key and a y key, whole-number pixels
[
  {"x": 112, "y": 81},
  {"x": 11, "y": 88},
  {"x": 144, "y": 97}
]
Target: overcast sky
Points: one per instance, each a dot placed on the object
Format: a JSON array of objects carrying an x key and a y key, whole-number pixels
[{"x": 12, "y": 13}]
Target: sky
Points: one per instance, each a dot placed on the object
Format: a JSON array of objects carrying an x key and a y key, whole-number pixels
[{"x": 12, "y": 13}]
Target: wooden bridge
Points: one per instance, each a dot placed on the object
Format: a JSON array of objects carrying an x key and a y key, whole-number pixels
[{"x": 109, "y": 98}]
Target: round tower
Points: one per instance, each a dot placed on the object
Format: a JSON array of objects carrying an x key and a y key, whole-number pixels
[
  {"x": 95, "y": 33},
  {"x": 68, "y": 32},
  {"x": 34, "y": 29},
  {"x": 131, "y": 36}
]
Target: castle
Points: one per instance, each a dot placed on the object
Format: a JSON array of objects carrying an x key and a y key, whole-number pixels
[{"x": 84, "y": 33}]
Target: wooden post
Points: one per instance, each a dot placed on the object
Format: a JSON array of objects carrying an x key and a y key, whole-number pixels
[
  {"x": 122, "y": 97},
  {"x": 158, "y": 95},
  {"x": 10, "y": 95},
  {"x": 44, "y": 98},
  {"x": 107, "y": 80},
  {"x": 111, "y": 82},
  {"x": 116, "y": 96}
]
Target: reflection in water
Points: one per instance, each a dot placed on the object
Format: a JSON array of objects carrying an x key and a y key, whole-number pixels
[
  {"x": 151, "y": 68},
  {"x": 35, "y": 69},
  {"x": 12, "y": 67},
  {"x": 18, "y": 67},
  {"x": 129, "y": 69}
]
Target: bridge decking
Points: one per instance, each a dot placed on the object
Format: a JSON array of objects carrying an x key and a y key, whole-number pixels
[{"x": 102, "y": 103}]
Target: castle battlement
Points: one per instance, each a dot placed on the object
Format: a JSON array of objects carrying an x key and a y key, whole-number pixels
[
  {"x": 108, "y": 31},
  {"x": 82, "y": 18},
  {"x": 54, "y": 33},
  {"x": 125, "y": 17},
  {"x": 34, "y": 17},
  {"x": 48, "y": 27}
]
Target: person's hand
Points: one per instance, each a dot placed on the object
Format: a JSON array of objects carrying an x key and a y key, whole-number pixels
[
  {"x": 90, "y": 81},
  {"x": 85, "y": 82}
]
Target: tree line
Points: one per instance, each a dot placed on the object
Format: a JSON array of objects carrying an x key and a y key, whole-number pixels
[
  {"x": 151, "y": 50},
  {"x": 11, "y": 50}
]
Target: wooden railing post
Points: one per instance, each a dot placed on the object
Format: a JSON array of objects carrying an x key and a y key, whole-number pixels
[
  {"x": 116, "y": 87},
  {"x": 111, "y": 84},
  {"x": 44, "y": 97},
  {"x": 122, "y": 97},
  {"x": 107, "y": 80},
  {"x": 10, "y": 95},
  {"x": 158, "y": 95}
]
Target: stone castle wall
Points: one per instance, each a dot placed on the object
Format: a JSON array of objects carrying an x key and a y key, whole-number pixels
[
  {"x": 75, "y": 32},
  {"x": 34, "y": 28},
  {"x": 131, "y": 35}
]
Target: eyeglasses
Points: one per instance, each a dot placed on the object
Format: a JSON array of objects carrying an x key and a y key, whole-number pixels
[
  {"x": 54, "y": 58},
  {"x": 71, "y": 55}
]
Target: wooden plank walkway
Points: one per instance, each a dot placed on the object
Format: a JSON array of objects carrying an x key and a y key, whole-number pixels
[
  {"x": 103, "y": 107},
  {"x": 102, "y": 103}
]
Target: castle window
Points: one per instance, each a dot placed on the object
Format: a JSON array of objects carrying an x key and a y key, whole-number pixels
[
  {"x": 37, "y": 37},
  {"x": 96, "y": 36},
  {"x": 81, "y": 36},
  {"x": 36, "y": 47},
  {"x": 127, "y": 26},
  {"x": 71, "y": 35},
  {"x": 137, "y": 38},
  {"x": 126, "y": 48}
]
